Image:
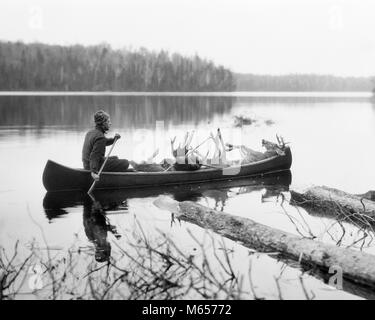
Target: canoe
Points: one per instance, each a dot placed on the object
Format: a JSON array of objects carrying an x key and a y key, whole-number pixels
[
  {"x": 58, "y": 204},
  {"x": 57, "y": 177}
]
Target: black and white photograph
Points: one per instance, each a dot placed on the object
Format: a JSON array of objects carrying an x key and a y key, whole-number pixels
[{"x": 187, "y": 150}]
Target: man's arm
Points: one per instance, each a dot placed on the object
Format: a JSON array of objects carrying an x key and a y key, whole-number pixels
[{"x": 110, "y": 141}]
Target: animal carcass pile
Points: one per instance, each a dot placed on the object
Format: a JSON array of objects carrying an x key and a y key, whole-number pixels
[
  {"x": 185, "y": 157},
  {"x": 272, "y": 149}
]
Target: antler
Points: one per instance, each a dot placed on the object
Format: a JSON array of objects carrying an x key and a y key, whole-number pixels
[
  {"x": 173, "y": 140},
  {"x": 189, "y": 139},
  {"x": 156, "y": 152},
  {"x": 185, "y": 139},
  {"x": 281, "y": 141},
  {"x": 278, "y": 139},
  {"x": 174, "y": 152}
]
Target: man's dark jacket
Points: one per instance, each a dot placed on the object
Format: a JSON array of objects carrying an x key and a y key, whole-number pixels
[{"x": 93, "y": 150}]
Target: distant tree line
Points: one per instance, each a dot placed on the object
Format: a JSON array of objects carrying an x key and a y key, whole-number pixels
[
  {"x": 99, "y": 68},
  {"x": 41, "y": 67},
  {"x": 303, "y": 82}
]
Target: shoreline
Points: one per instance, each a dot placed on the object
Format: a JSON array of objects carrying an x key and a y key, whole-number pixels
[{"x": 266, "y": 94}]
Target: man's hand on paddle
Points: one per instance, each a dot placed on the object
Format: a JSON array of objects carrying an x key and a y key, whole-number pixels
[
  {"x": 117, "y": 136},
  {"x": 95, "y": 176}
]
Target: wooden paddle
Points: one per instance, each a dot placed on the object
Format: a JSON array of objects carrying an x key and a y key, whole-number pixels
[{"x": 102, "y": 167}]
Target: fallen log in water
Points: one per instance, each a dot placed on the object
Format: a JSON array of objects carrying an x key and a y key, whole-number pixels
[
  {"x": 336, "y": 203},
  {"x": 357, "y": 267}
]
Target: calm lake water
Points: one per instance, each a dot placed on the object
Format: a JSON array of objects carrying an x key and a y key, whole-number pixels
[{"x": 331, "y": 138}]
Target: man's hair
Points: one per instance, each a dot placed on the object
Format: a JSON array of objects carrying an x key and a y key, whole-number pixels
[{"x": 100, "y": 117}]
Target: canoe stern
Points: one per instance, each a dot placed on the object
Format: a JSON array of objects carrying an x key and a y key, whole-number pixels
[{"x": 60, "y": 178}]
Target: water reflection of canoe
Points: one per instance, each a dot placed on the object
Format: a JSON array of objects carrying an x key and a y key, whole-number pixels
[
  {"x": 56, "y": 203},
  {"x": 57, "y": 177}
]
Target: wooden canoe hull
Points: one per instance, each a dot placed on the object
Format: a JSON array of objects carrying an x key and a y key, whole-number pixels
[{"x": 57, "y": 177}]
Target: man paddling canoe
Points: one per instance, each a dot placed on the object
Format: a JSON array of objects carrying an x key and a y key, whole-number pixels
[{"x": 93, "y": 150}]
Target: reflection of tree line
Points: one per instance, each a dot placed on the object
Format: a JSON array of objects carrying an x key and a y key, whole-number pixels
[
  {"x": 96, "y": 207},
  {"x": 128, "y": 111},
  {"x": 125, "y": 111}
]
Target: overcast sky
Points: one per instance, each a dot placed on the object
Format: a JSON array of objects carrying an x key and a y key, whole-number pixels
[{"x": 257, "y": 36}]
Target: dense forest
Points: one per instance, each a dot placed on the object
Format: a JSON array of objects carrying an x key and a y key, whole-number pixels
[
  {"x": 302, "y": 82},
  {"x": 41, "y": 67},
  {"x": 100, "y": 68}
]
